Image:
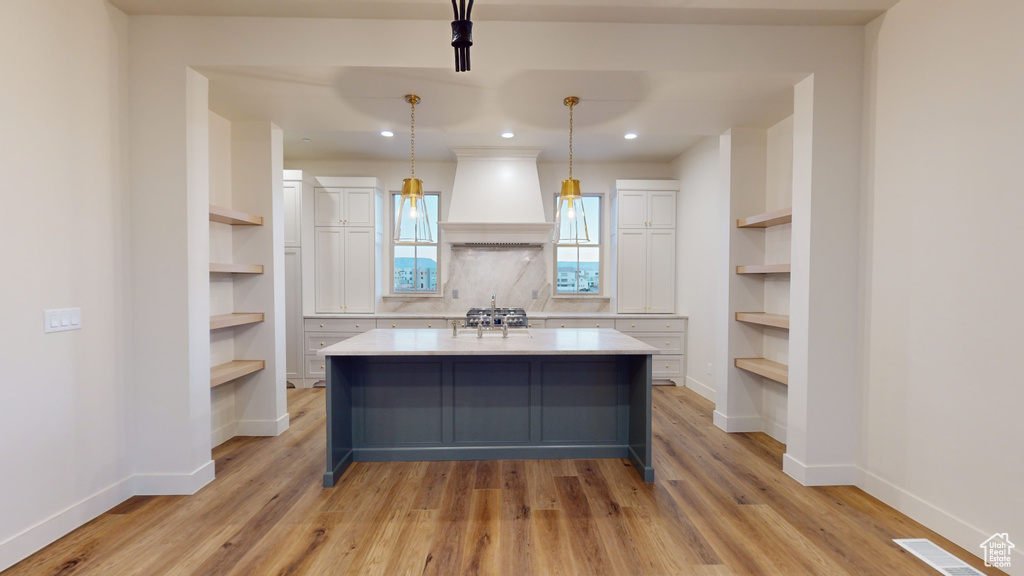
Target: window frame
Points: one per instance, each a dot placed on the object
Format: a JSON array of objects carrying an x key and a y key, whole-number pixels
[
  {"x": 598, "y": 243},
  {"x": 392, "y": 245}
]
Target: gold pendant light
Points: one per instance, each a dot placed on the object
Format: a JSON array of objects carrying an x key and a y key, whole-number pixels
[
  {"x": 570, "y": 219},
  {"x": 412, "y": 222}
]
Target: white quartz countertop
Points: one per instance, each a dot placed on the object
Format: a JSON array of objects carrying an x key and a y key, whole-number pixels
[
  {"x": 529, "y": 314},
  {"x": 529, "y": 342}
]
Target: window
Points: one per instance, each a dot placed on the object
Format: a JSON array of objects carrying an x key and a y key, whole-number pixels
[
  {"x": 415, "y": 267},
  {"x": 578, "y": 268}
]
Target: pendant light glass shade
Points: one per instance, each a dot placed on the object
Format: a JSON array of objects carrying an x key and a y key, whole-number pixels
[
  {"x": 412, "y": 222},
  {"x": 570, "y": 219}
]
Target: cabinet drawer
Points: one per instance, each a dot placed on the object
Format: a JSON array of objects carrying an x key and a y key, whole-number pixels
[
  {"x": 339, "y": 324},
  {"x": 580, "y": 323},
  {"x": 316, "y": 367},
  {"x": 651, "y": 325},
  {"x": 434, "y": 323},
  {"x": 666, "y": 366},
  {"x": 666, "y": 343},
  {"x": 316, "y": 342}
]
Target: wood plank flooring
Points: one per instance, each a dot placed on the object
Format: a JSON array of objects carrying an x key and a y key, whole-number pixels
[{"x": 721, "y": 506}]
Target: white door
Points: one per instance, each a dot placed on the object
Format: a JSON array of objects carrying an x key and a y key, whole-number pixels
[
  {"x": 330, "y": 295},
  {"x": 661, "y": 271},
  {"x": 293, "y": 313},
  {"x": 358, "y": 274},
  {"x": 358, "y": 207},
  {"x": 632, "y": 209},
  {"x": 292, "y": 212},
  {"x": 630, "y": 278},
  {"x": 662, "y": 209},
  {"x": 327, "y": 207}
]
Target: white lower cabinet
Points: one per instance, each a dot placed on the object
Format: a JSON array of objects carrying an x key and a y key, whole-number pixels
[
  {"x": 323, "y": 332},
  {"x": 293, "y": 313},
  {"x": 345, "y": 280},
  {"x": 667, "y": 334}
]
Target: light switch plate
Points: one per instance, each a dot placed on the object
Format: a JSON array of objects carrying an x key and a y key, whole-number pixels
[
  {"x": 62, "y": 320},
  {"x": 455, "y": 294}
]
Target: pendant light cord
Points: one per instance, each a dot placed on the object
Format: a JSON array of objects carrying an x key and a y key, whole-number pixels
[
  {"x": 570, "y": 141},
  {"x": 412, "y": 141}
]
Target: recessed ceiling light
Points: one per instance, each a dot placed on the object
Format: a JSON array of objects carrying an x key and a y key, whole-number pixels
[
  {"x": 630, "y": 136},
  {"x": 507, "y": 135},
  {"x": 306, "y": 140},
  {"x": 387, "y": 133}
]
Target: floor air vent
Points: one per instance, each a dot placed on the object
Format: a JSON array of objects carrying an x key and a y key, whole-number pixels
[{"x": 937, "y": 558}]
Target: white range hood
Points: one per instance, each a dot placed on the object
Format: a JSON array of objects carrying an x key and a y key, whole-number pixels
[{"x": 496, "y": 199}]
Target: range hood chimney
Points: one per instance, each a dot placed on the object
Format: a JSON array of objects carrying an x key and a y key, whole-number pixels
[{"x": 496, "y": 199}]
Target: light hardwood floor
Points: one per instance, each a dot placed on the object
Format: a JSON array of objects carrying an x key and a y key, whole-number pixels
[{"x": 720, "y": 506}]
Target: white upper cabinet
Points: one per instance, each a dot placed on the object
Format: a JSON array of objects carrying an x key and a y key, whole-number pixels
[
  {"x": 344, "y": 206},
  {"x": 292, "y": 214}
]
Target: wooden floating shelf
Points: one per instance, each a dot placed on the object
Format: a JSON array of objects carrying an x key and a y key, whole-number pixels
[
  {"x": 236, "y": 319},
  {"x": 768, "y": 219},
  {"x": 771, "y": 370},
  {"x": 224, "y": 373},
  {"x": 236, "y": 268},
  {"x": 764, "y": 319},
  {"x": 233, "y": 217},
  {"x": 763, "y": 269}
]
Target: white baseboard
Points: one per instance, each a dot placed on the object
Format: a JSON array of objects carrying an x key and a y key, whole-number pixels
[
  {"x": 821, "y": 475},
  {"x": 262, "y": 427},
  {"x": 958, "y": 531},
  {"x": 775, "y": 430},
  {"x": 173, "y": 484},
  {"x": 700, "y": 388},
  {"x": 738, "y": 423},
  {"x": 31, "y": 540},
  {"x": 224, "y": 433}
]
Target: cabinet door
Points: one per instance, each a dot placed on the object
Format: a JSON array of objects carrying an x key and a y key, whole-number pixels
[
  {"x": 661, "y": 209},
  {"x": 632, "y": 209},
  {"x": 328, "y": 207},
  {"x": 631, "y": 282},
  {"x": 661, "y": 271},
  {"x": 358, "y": 270},
  {"x": 358, "y": 207},
  {"x": 292, "y": 212},
  {"x": 330, "y": 289},
  {"x": 293, "y": 313}
]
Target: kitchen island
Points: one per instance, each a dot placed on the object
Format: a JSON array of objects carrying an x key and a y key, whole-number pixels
[{"x": 406, "y": 395}]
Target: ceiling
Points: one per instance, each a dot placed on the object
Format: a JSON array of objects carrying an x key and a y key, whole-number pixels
[{"x": 339, "y": 112}]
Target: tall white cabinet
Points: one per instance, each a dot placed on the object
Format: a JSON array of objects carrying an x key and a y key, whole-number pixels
[
  {"x": 295, "y": 184},
  {"x": 644, "y": 240},
  {"x": 348, "y": 238}
]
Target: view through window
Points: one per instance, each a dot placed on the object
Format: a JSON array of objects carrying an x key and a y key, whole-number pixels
[
  {"x": 578, "y": 267},
  {"x": 415, "y": 267}
]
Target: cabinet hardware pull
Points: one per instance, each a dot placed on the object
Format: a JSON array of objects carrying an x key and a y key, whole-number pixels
[
  {"x": 321, "y": 367},
  {"x": 321, "y": 343},
  {"x": 563, "y": 325},
  {"x": 597, "y": 325},
  {"x": 632, "y": 325},
  {"x": 666, "y": 365},
  {"x": 321, "y": 325},
  {"x": 430, "y": 325},
  {"x": 357, "y": 325},
  {"x": 668, "y": 325},
  {"x": 666, "y": 344},
  {"x": 392, "y": 325}
]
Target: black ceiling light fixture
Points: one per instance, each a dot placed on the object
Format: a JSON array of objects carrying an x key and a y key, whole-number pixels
[{"x": 462, "y": 34}]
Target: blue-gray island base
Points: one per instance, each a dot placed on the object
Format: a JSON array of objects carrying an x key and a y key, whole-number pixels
[{"x": 489, "y": 401}]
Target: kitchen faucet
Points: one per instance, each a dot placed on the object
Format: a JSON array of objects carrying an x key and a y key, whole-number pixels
[{"x": 493, "y": 306}]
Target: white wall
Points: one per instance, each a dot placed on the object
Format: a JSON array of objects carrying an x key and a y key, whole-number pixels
[
  {"x": 63, "y": 224},
  {"x": 943, "y": 323},
  {"x": 696, "y": 233}
]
